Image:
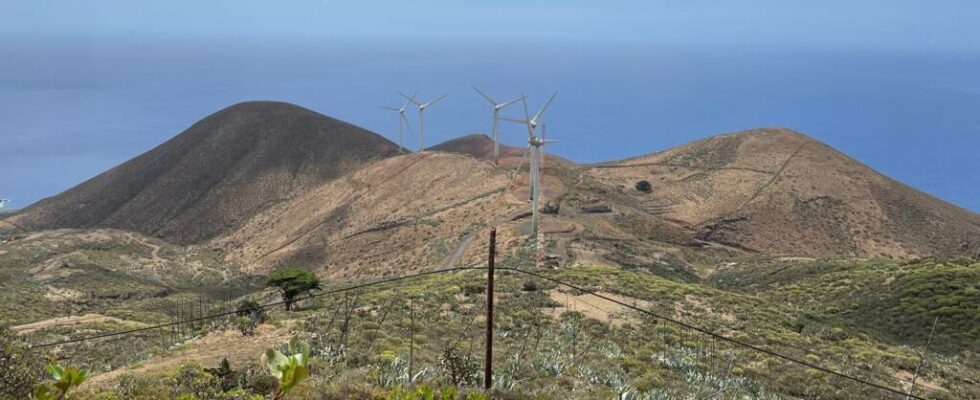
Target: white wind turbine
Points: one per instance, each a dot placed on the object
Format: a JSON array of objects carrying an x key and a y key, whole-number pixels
[
  {"x": 496, "y": 119},
  {"x": 535, "y": 144},
  {"x": 3, "y": 202},
  {"x": 422, "y": 107},
  {"x": 402, "y": 121}
]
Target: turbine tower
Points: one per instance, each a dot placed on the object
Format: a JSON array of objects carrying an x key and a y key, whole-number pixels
[
  {"x": 422, "y": 107},
  {"x": 495, "y": 133},
  {"x": 532, "y": 125},
  {"x": 535, "y": 144},
  {"x": 402, "y": 121}
]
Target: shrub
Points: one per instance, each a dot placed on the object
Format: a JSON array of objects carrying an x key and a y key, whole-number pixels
[
  {"x": 644, "y": 186},
  {"x": 19, "y": 368},
  {"x": 245, "y": 325},
  {"x": 249, "y": 315},
  {"x": 459, "y": 368},
  {"x": 471, "y": 289}
]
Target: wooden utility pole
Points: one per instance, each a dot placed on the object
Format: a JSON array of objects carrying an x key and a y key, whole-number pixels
[
  {"x": 488, "y": 358},
  {"x": 411, "y": 341},
  {"x": 922, "y": 358}
]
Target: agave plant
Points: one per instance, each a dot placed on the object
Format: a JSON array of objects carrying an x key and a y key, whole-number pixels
[
  {"x": 288, "y": 370},
  {"x": 64, "y": 379}
]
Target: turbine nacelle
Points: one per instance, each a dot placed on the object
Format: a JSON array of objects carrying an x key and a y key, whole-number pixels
[{"x": 495, "y": 132}]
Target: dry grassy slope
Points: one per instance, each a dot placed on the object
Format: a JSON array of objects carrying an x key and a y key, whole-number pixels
[
  {"x": 480, "y": 146},
  {"x": 214, "y": 175},
  {"x": 477, "y": 145},
  {"x": 392, "y": 216},
  {"x": 780, "y": 192}
]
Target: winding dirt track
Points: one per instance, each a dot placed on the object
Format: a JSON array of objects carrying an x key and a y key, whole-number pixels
[{"x": 72, "y": 320}]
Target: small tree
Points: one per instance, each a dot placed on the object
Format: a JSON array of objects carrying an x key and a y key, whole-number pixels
[
  {"x": 293, "y": 282},
  {"x": 644, "y": 186}
]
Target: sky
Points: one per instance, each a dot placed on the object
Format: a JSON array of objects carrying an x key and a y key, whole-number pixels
[{"x": 895, "y": 84}]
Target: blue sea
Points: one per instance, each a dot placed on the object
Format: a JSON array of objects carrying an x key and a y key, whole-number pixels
[{"x": 72, "y": 108}]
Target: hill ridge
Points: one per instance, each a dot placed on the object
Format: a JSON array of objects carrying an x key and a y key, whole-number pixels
[{"x": 215, "y": 174}]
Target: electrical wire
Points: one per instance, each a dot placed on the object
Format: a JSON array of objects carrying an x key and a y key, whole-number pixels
[{"x": 717, "y": 336}]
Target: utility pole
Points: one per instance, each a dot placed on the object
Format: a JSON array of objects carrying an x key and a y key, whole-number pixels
[
  {"x": 411, "y": 341},
  {"x": 488, "y": 358},
  {"x": 922, "y": 358}
]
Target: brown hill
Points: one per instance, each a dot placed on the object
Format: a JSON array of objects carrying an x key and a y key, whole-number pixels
[
  {"x": 480, "y": 146},
  {"x": 272, "y": 183},
  {"x": 777, "y": 191},
  {"x": 214, "y": 175},
  {"x": 394, "y": 215},
  {"x": 477, "y": 145}
]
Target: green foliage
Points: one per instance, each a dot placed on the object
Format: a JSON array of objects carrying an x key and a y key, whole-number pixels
[
  {"x": 248, "y": 316},
  {"x": 222, "y": 370},
  {"x": 19, "y": 369},
  {"x": 288, "y": 370},
  {"x": 461, "y": 368},
  {"x": 252, "y": 309},
  {"x": 245, "y": 325},
  {"x": 293, "y": 282},
  {"x": 63, "y": 379},
  {"x": 644, "y": 186}
]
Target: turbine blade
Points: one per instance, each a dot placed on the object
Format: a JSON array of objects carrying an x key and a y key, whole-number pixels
[
  {"x": 410, "y": 99},
  {"x": 390, "y": 108},
  {"x": 545, "y": 107},
  {"x": 507, "y": 103},
  {"x": 518, "y": 120},
  {"x": 485, "y": 96},
  {"x": 530, "y": 129},
  {"x": 434, "y": 101}
]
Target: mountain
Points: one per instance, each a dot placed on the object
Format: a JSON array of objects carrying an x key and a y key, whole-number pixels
[
  {"x": 214, "y": 175},
  {"x": 776, "y": 191},
  {"x": 477, "y": 145},
  {"x": 395, "y": 215},
  {"x": 767, "y": 236},
  {"x": 270, "y": 183},
  {"x": 480, "y": 146}
]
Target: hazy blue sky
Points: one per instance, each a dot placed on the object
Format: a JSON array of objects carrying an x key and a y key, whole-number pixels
[{"x": 85, "y": 85}]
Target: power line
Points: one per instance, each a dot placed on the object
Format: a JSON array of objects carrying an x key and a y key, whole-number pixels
[
  {"x": 811, "y": 350},
  {"x": 717, "y": 336},
  {"x": 517, "y": 270},
  {"x": 269, "y": 305}
]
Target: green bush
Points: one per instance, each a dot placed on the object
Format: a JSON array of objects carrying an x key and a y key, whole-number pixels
[{"x": 20, "y": 369}]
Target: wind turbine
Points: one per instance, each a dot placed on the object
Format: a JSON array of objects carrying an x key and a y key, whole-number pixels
[
  {"x": 402, "y": 121},
  {"x": 535, "y": 144},
  {"x": 422, "y": 107},
  {"x": 3, "y": 202},
  {"x": 496, "y": 118}
]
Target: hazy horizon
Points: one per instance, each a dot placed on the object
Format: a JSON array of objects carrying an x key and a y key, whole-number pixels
[{"x": 86, "y": 88}]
